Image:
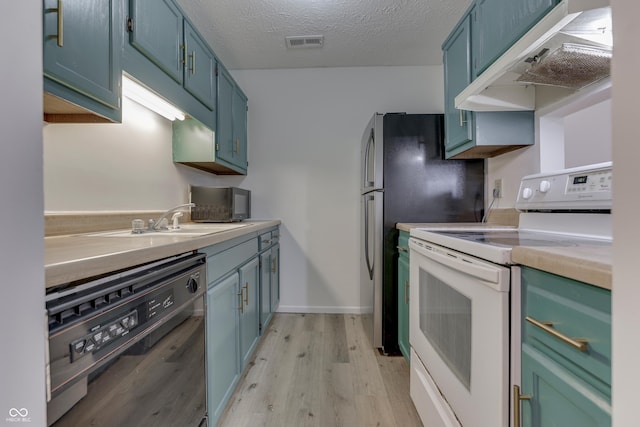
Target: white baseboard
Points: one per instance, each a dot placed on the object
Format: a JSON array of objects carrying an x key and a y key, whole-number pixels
[{"x": 319, "y": 309}]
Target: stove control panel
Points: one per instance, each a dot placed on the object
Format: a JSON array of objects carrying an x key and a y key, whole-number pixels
[{"x": 585, "y": 188}]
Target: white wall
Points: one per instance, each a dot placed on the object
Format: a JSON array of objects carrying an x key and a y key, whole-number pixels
[
  {"x": 587, "y": 137},
  {"x": 574, "y": 132},
  {"x": 115, "y": 167},
  {"x": 626, "y": 234},
  {"x": 305, "y": 128},
  {"x": 22, "y": 321}
]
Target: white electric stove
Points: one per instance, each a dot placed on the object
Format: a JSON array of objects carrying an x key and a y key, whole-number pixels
[
  {"x": 462, "y": 282},
  {"x": 571, "y": 207}
]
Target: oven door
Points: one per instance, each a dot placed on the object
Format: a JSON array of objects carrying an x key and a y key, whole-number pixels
[{"x": 459, "y": 329}]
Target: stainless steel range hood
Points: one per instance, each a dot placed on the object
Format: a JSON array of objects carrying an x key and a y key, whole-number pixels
[{"x": 568, "y": 50}]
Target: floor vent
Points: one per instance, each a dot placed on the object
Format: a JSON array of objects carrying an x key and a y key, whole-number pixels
[{"x": 304, "y": 42}]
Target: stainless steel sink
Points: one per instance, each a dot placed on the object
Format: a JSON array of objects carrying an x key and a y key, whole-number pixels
[{"x": 185, "y": 230}]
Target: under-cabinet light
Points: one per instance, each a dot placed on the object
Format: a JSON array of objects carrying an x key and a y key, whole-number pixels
[{"x": 145, "y": 97}]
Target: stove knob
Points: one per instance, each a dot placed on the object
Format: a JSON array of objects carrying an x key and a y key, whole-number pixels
[
  {"x": 544, "y": 186},
  {"x": 192, "y": 285},
  {"x": 527, "y": 193}
]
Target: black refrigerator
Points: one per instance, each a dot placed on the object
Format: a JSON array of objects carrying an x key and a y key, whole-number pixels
[{"x": 405, "y": 178}]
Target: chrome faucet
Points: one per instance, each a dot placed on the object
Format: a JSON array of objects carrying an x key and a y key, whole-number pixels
[{"x": 155, "y": 225}]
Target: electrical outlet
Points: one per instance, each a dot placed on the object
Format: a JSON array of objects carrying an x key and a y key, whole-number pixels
[{"x": 497, "y": 188}]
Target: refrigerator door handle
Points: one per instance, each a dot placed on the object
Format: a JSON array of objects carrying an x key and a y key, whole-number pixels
[
  {"x": 367, "y": 153},
  {"x": 366, "y": 236},
  {"x": 375, "y": 190}
]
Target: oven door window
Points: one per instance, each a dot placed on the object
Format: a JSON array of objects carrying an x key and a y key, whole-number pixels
[{"x": 445, "y": 320}]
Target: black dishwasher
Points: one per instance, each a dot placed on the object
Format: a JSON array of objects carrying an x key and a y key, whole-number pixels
[{"x": 128, "y": 348}]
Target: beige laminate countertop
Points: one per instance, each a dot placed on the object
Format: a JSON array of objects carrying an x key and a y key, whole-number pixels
[
  {"x": 75, "y": 257},
  {"x": 589, "y": 264}
]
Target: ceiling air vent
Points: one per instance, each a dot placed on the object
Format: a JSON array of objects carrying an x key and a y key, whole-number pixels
[{"x": 304, "y": 42}]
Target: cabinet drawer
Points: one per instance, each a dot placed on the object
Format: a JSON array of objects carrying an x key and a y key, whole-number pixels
[
  {"x": 574, "y": 309},
  {"x": 268, "y": 239},
  {"x": 265, "y": 240},
  {"x": 223, "y": 262}
]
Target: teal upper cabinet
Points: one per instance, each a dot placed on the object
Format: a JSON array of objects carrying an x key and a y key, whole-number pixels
[
  {"x": 165, "y": 53},
  {"x": 476, "y": 135},
  {"x": 156, "y": 30},
  {"x": 199, "y": 73},
  {"x": 159, "y": 30},
  {"x": 82, "y": 44},
  {"x": 240, "y": 108},
  {"x": 224, "y": 134},
  {"x": 232, "y": 121},
  {"x": 457, "y": 75},
  {"x": 498, "y": 24}
]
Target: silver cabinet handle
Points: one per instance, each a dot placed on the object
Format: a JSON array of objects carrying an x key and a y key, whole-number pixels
[
  {"x": 462, "y": 121},
  {"x": 193, "y": 62},
  {"x": 246, "y": 296},
  {"x": 577, "y": 343},
  {"x": 241, "y": 295},
  {"x": 402, "y": 248}
]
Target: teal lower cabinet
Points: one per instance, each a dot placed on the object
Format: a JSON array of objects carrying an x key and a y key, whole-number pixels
[
  {"x": 235, "y": 301},
  {"x": 249, "y": 310},
  {"x": 558, "y": 397},
  {"x": 269, "y": 277},
  {"x": 232, "y": 317},
  {"x": 566, "y": 352},
  {"x": 403, "y": 294},
  {"x": 222, "y": 353},
  {"x": 275, "y": 278}
]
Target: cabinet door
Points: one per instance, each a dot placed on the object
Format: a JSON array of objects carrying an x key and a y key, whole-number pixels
[
  {"x": 224, "y": 131},
  {"x": 250, "y": 310},
  {"x": 82, "y": 45},
  {"x": 499, "y": 24},
  {"x": 265, "y": 289},
  {"x": 457, "y": 76},
  {"x": 558, "y": 398},
  {"x": 275, "y": 278},
  {"x": 403, "y": 305},
  {"x": 158, "y": 34},
  {"x": 239, "y": 151},
  {"x": 222, "y": 347},
  {"x": 199, "y": 77}
]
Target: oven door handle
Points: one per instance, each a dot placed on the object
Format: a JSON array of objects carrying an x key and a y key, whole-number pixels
[{"x": 457, "y": 262}]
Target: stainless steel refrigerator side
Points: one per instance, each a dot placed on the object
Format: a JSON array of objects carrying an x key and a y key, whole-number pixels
[{"x": 371, "y": 230}]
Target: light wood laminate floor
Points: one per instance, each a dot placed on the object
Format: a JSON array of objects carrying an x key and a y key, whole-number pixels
[{"x": 319, "y": 370}]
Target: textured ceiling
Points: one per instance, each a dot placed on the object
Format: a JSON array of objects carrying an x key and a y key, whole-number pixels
[{"x": 250, "y": 34}]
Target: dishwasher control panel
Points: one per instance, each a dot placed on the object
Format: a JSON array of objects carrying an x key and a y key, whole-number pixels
[{"x": 102, "y": 336}]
